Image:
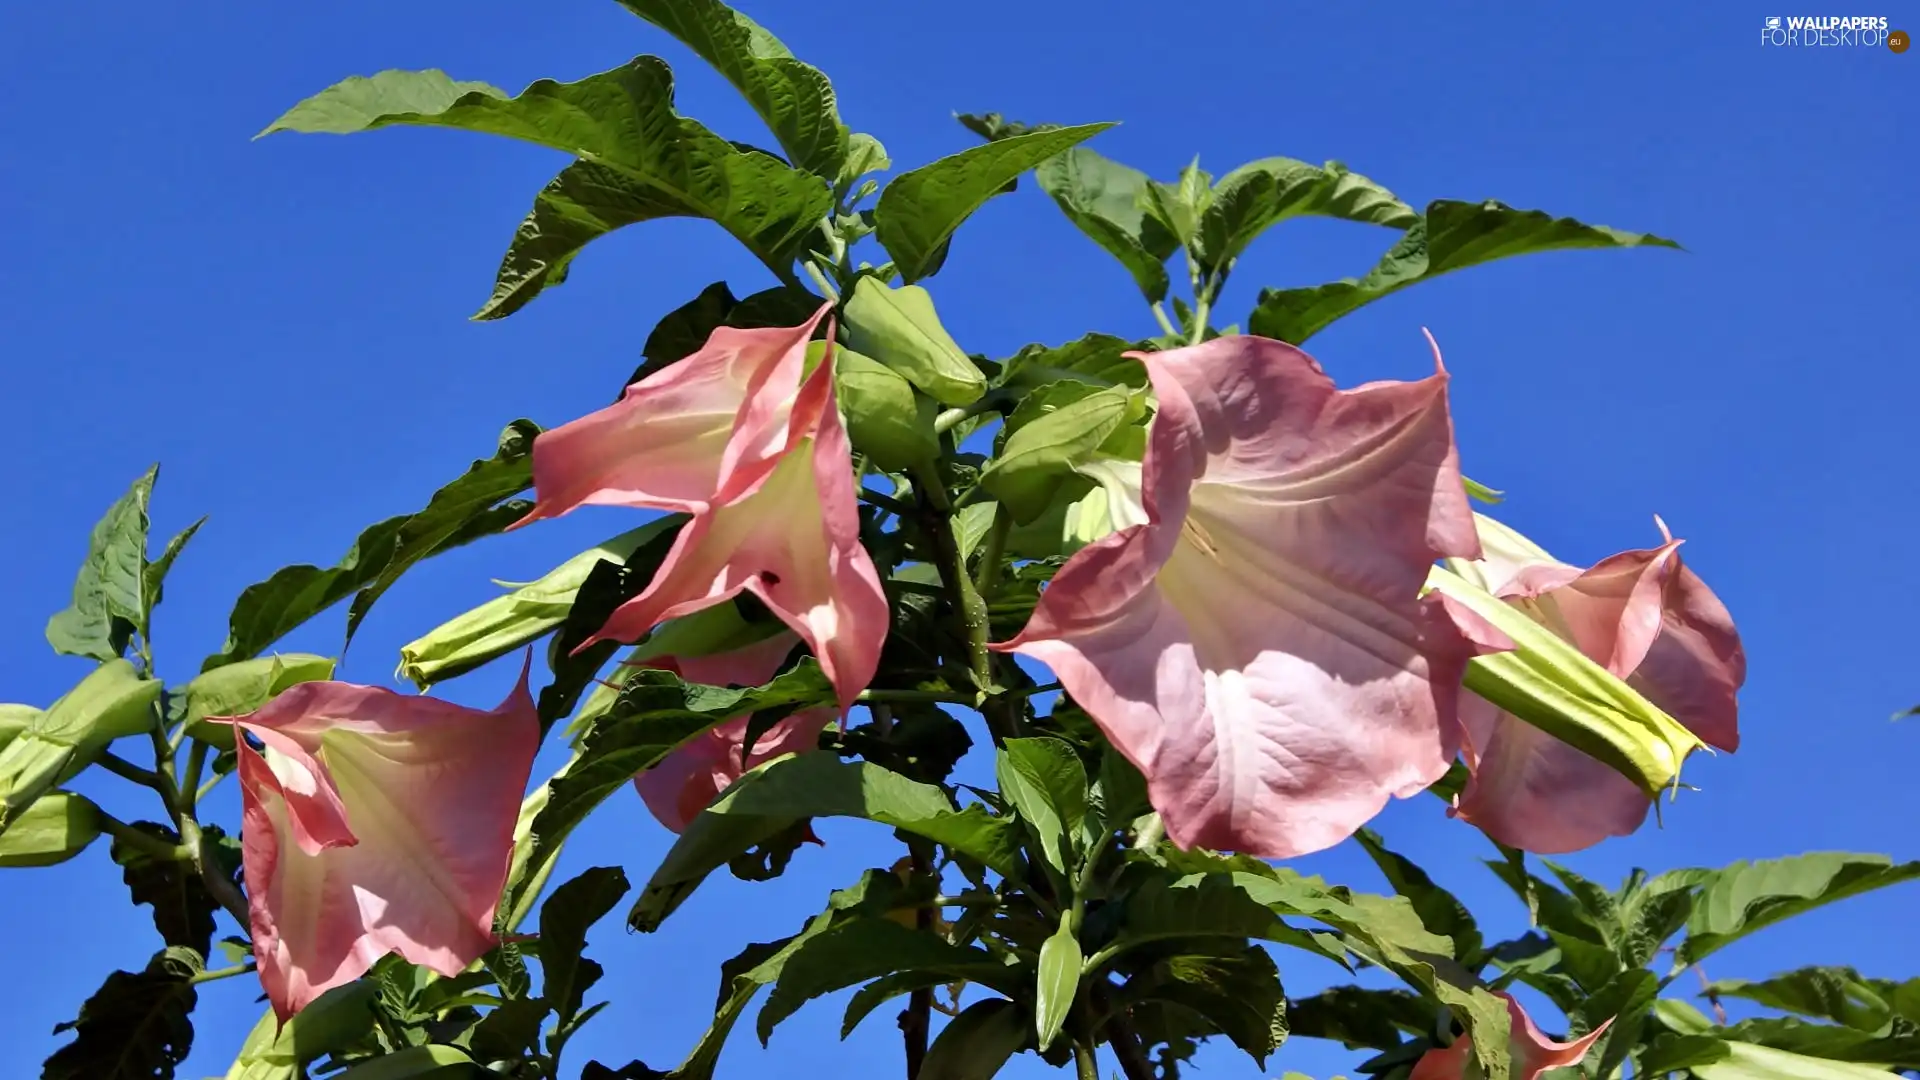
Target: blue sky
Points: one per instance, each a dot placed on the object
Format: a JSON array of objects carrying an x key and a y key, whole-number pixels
[{"x": 283, "y": 326}]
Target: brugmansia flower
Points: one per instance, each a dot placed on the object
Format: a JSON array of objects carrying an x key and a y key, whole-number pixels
[
  {"x": 376, "y": 822},
  {"x": 1258, "y": 646},
  {"x": 689, "y": 779},
  {"x": 734, "y": 436},
  {"x": 1533, "y": 1053},
  {"x": 1649, "y": 621}
]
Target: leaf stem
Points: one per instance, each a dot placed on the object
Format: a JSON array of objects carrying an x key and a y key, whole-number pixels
[
  {"x": 134, "y": 838},
  {"x": 1166, "y": 324},
  {"x": 1084, "y": 1065},
  {"x": 223, "y": 973},
  {"x": 991, "y": 401},
  {"x": 992, "y": 551},
  {"x": 820, "y": 279},
  {"x": 127, "y": 770},
  {"x": 916, "y": 1023},
  {"x": 190, "y": 779},
  {"x": 868, "y": 697}
]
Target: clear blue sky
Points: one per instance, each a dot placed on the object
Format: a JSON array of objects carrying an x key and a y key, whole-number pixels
[{"x": 282, "y": 325}]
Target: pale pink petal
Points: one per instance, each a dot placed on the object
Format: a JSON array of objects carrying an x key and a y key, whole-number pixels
[
  {"x": 1259, "y": 648},
  {"x": 678, "y": 436},
  {"x": 792, "y": 539},
  {"x": 1647, "y": 619},
  {"x": 1533, "y": 1053},
  {"x": 426, "y": 795}
]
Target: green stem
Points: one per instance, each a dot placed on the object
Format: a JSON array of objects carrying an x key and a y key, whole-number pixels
[
  {"x": 868, "y": 697},
  {"x": 1166, "y": 324},
  {"x": 223, "y": 973},
  {"x": 219, "y": 886},
  {"x": 952, "y": 566},
  {"x": 212, "y": 782},
  {"x": 885, "y": 502},
  {"x": 1084, "y": 1065},
  {"x": 127, "y": 770},
  {"x": 1126, "y": 1047},
  {"x": 190, "y": 779},
  {"x": 991, "y": 401},
  {"x": 992, "y": 550},
  {"x": 1200, "y": 312},
  {"x": 916, "y": 1024},
  {"x": 820, "y": 279},
  {"x": 134, "y": 838}
]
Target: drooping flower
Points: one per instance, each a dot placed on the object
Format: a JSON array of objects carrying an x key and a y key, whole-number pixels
[
  {"x": 376, "y": 822},
  {"x": 734, "y": 436},
  {"x": 1533, "y": 1053},
  {"x": 1648, "y": 620},
  {"x": 689, "y": 779},
  {"x": 1255, "y": 643}
]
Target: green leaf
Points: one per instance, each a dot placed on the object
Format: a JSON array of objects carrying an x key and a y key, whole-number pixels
[
  {"x": 653, "y": 715},
  {"x": 1450, "y": 236},
  {"x": 1037, "y": 458},
  {"x": 1440, "y": 910},
  {"x": 1260, "y": 194},
  {"x": 414, "y": 1061},
  {"x": 886, "y": 420},
  {"x": 865, "y": 155},
  {"x": 479, "y": 503},
  {"x": 993, "y": 127},
  {"x": 769, "y": 798},
  {"x": 137, "y": 1026},
  {"x": 794, "y": 99},
  {"x": 154, "y": 577},
  {"x": 1744, "y": 897},
  {"x": 1238, "y": 995},
  {"x": 183, "y": 909},
  {"x": 1104, "y": 199},
  {"x": 526, "y": 614},
  {"x": 639, "y": 161},
  {"x": 976, "y": 1044},
  {"x": 1177, "y": 208},
  {"x": 1747, "y": 1062},
  {"x": 899, "y": 328},
  {"x": 240, "y": 688},
  {"x": 1098, "y": 359},
  {"x": 1830, "y": 993},
  {"x": 1549, "y": 683},
  {"x": 110, "y": 598},
  {"x": 1896, "y": 1044},
  {"x": 564, "y": 919},
  {"x": 111, "y": 702},
  {"x": 919, "y": 210},
  {"x": 686, "y": 329},
  {"x": 335, "y": 1020},
  {"x": 1357, "y": 1016},
  {"x": 1623, "y": 999},
  {"x": 866, "y": 948},
  {"x": 1044, "y": 780},
  {"x": 54, "y": 828},
  {"x": 1057, "y": 982}
]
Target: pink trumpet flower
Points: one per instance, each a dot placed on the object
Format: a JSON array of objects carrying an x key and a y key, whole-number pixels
[
  {"x": 1258, "y": 646},
  {"x": 1647, "y": 619},
  {"x": 1533, "y": 1053},
  {"x": 376, "y": 822},
  {"x": 689, "y": 779},
  {"x": 734, "y": 436}
]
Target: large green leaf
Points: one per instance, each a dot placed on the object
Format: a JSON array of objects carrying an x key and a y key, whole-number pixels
[
  {"x": 414, "y": 1063},
  {"x": 137, "y": 1026},
  {"x": 110, "y": 596},
  {"x": 1449, "y": 236},
  {"x": 1238, "y": 994},
  {"x": 1830, "y": 993},
  {"x": 1744, "y": 897},
  {"x": 1044, "y": 780},
  {"x": 1895, "y": 1044},
  {"x": 111, "y": 702},
  {"x": 1104, "y": 199},
  {"x": 564, "y": 919},
  {"x": 1099, "y": 359},
  {"x": 479, "y": 503},
  {"x": 54, "y": 828},
  {"x": 1441, "y": 911},
  {"x": 639, "y": 161},
  {"x": 794, "y": 99},
  {"x": 866, "y": 948},
  {"x": 919, "y": 210},
  {"x": 976, "y": 1044},
  {"x": 770, "y": 798},
  {"x": 1260, "y": 194},
  {"x": 652, "y": 716},
  {"x": 1357, "y": 1016},
  {"x": 1747, "y": 1062}
]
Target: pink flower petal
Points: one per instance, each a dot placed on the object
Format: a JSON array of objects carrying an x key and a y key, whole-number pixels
[
  {"x": 376, "y": 822},
  {"x": 790, "y": 537},
  {"x": 1649, "y": 620},
  {"x": 716, "y": 418},
  {"x": 1258, "y": 647},
  {"x": 1533, "y": 1053}
]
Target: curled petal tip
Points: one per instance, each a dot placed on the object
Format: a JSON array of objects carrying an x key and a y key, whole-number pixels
[
  {"x": 1666, "y": 534},
  {"x": 1439, "y": 365}
]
